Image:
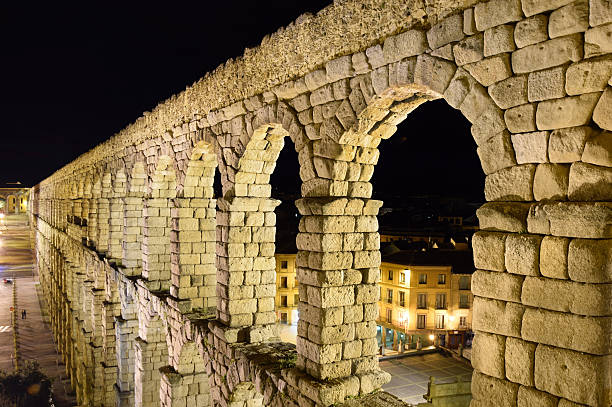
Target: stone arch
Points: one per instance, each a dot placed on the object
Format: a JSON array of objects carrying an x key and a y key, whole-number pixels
[
  {"x": 103, "y": 222},
  {"x": 116, "y": 219},
  {"x": 193, "y": 237},
  {"x": 133, "y": 219},
  {"x": 126, "y": 331},
  {"x": 185, "y": 382},
  {"x": 246, "y": 221},
  {"x": 151, "y": 351},
  {"x": 157, "y": 225}
]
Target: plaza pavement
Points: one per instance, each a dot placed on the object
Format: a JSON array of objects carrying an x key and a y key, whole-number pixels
[
  {"x": 410, "y": 374},
  {"x": 35, "y": 340}
]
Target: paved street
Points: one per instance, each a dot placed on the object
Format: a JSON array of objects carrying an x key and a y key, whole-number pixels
[
  {"x": 35, "y": 340},
  {"x": 410, "y": 374}
]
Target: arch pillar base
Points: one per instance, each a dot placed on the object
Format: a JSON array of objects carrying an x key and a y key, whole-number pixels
[{"x": 183, "y": 389}]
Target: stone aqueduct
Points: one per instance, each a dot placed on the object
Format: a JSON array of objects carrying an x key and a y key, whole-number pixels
[{"x": 162, "y": 294}]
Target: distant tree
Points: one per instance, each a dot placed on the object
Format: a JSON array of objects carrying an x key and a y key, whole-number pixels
[{"x": 28, "y": 386}]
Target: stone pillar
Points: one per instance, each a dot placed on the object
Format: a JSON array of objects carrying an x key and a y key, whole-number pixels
[
  {"x": 132, "y": 235},
  {"x": 338, "y": 271},
  {"x": 103, "y": 225},
  {"x": 193, "y": 248},
  {"x": 178, "y": 390},
  {"x": 246, "y": 265},
  {"x": 92, "y": 222},
  {"x": 115, "y": 233},
  {"x": 156, "y": 244},
  {"x": 541, "y": 307}
]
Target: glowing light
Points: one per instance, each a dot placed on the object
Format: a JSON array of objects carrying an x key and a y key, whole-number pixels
[
  {"x": 451, "y": 318},
  {"x": 431, "y": 337}
]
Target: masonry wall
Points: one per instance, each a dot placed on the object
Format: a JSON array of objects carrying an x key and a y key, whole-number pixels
[{"x": 163, "y": 294}]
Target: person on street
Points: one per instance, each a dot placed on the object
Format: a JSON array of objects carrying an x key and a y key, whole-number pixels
[{"x": 23, "y": 314}]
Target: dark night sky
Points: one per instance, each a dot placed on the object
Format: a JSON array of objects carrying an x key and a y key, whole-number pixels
[{"x": 72, "y": 76}]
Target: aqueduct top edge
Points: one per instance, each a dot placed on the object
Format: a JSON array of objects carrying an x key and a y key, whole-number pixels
[{"x": 349, "y": 26}]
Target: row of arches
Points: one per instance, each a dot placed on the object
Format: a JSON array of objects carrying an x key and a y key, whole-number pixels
[{"x": 196, "y": 246}]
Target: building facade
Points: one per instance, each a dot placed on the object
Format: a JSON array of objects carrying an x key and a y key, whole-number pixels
[
  {"x": 15, "y": 198},
  {"x": 422, "y": 305},
  {"x": 287, "y": 297}
]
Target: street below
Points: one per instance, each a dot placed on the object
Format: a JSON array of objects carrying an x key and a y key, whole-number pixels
[{"x": 35, "y": 341}]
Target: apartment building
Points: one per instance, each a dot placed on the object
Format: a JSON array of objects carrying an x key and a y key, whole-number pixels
[{"x": 425, "y": 298}]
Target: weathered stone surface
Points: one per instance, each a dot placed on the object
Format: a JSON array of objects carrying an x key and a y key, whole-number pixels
[
  {"x": 510, "y": 184},
  {"x": 434, "y": 73},
  {"x": 519, "y": 357},
  {"x": 566, "y": 112},
  {"x": 567, "y": 296},
  {"x": 406, "y": 44},
  {"x": 573, "y": 375},
  {"x": 589, "y": 182},
  {"x": 521, "y": 119},
  {"x": 598, "y": 150},
  {"x": 590, "y": 261},
  {"x": 569, "y": 19},
  {"x": 489, "y": 123},
  {"x": 469, "y": 50},
  {"x": 537, "y": 220},
  {"x": 597, "y": 41},
  {"x": 503, "y": 318},
  {"x": 602, "y": 115},
  {"x": 551, "y": 182},
  {"x": 547, "y": 84},
  {"x": 531, "y": 7},
  {"x": 446, "y": 31},
  {"x": 531, "y": 31},
  {"x": 531, "y": 147},
  {"x": 502, "y": 216},
  {"x": 488, "y": 354},
  {"x": 498, "y": 286},
  {"x": 547, "y": 54},
  {"x": 489, "y": 250},
  {"x": 567, "y": 145},
  {"x": 530, "y": 397},
  {"x": 496, "y": 12},
  {"x": 580, "y": 219},
  {"x": 523, "y": 254},
  {"x": 567, "y": 330},
  {"x": 600, "y": 12},
  {"x": 496, "y": 153},
  {"x": 510, "y": 92},
  {"x": 499, "y": 39},
  {"x": 488, "y": 391},
  {"x": 490, "y": 70},
  {"x": 553, "y": 257},
  {"x": 587, "y": 76}
]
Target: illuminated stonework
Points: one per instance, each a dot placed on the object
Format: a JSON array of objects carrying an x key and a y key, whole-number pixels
[{"x": 162, "y": 294}]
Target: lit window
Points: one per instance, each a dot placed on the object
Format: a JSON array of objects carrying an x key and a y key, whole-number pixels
[
  {"x": 439, "y": 321},
  {"x": 441, "y": 278},
  {"x": 421, "y": 321},
  {"x": 422, "y": 278},
  {"x": 440, "y": 301},
  {"x": 464, "y": 283},
  {"x": 402, "y": 276},
  {"x": 422, "y": 301}
]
